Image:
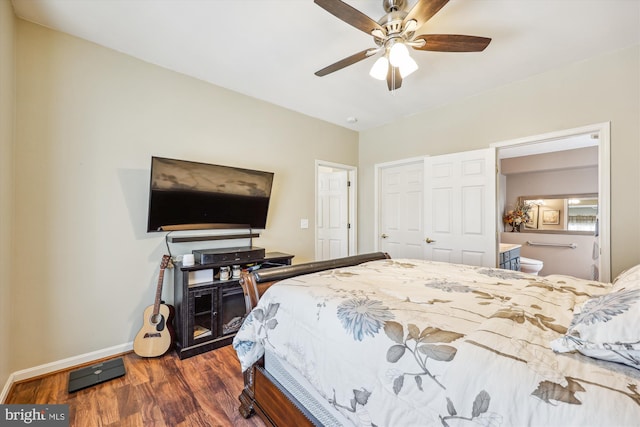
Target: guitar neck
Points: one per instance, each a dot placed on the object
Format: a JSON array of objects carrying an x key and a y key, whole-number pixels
[{"x": 156, "y": 304}]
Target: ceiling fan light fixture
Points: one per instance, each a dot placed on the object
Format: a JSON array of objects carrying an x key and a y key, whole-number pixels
[
  {"x": 398, "y": 54},
  {"x": 380, "y": 68},
  {"x": 399, "y": 57},
  {"x": 407, "y": 67}
]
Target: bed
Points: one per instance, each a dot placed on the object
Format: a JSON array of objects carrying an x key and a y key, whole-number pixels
[{"x": 370, "y": 340}]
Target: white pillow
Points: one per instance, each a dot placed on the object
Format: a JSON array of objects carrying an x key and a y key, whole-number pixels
[
  {"x": 629, "y": 275},
  {"x": 606, "y": 327}
]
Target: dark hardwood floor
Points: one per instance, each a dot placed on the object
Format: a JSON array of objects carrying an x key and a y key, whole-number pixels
[{"x": 199, "y": 391}]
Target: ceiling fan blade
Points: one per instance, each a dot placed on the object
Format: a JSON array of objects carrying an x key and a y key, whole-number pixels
[
  {"x": 394, "y": 79},
  {"x": 452, "y": 43},
  {"x": 424, "y": 10},
  {"x": 349, "y": 15},
  {"x": 349, "y": 60}
]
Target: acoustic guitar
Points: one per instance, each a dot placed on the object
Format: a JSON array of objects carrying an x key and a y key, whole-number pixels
[{"x": 156, "y": 336}]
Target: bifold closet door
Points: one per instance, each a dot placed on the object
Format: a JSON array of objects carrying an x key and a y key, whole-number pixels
[
  {"x": 460, "y": 212},
  {"x": 441, "y": 208},
  {"x": 401, "y": 210}
]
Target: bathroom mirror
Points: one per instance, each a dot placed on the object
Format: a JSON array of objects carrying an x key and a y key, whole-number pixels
[{"x": 567, "y": 213}]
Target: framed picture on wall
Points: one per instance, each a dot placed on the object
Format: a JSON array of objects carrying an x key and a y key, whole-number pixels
[
  {"x": 533, "y": 217},
  {"x": 550, "y": 217}
]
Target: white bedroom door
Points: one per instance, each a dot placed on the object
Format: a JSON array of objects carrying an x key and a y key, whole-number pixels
[
  {"x": 332, "y": 214},
  {"x": 401, "y": 209},
  {"x": 460, "y": 212}
]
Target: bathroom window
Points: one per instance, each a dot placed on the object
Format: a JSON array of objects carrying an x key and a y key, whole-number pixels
[{"x": 582, "y": 214}]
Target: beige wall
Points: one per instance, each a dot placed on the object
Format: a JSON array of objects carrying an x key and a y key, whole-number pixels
[
  {"x": 576, "y": 262},
  {"x": 568, "y": 159},
  {"x": 7, "y": 84},
  {"x": 599, "y": 90},
  {"x": 88, "y": 121}
]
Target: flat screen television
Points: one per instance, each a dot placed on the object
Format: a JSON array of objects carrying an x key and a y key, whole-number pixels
[{"x": 185, "y": 195}]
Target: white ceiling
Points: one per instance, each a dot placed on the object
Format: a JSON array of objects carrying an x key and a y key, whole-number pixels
[{"x": 269, "y": 49}]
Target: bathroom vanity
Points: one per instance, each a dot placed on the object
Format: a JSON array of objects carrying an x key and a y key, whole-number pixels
[{"x": 509, "y": 256}]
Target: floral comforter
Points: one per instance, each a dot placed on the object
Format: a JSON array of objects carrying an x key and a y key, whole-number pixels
[{"x": 419, "y": 343}]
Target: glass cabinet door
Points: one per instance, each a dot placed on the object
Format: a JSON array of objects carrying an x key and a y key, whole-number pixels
[{"x": 202, "y": 310}]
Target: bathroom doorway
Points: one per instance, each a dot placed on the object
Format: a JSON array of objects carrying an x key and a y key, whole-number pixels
[{"x": 552, "y": 172}]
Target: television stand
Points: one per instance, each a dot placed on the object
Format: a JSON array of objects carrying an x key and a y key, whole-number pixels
[{"x": 209, "y": 311}]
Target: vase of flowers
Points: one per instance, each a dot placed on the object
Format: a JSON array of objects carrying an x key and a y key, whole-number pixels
[{"x": 518, "y": 216}]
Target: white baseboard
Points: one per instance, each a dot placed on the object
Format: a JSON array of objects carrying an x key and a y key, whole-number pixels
[{"x": 62, "y": 364}]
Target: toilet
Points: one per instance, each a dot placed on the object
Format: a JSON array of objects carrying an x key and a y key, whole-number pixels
[{"x": 530, "y": 266}]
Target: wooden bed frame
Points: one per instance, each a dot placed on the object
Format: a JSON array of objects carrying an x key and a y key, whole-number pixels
[{"x": 262, "y": 394}]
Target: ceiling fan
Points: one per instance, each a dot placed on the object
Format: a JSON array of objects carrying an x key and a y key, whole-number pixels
[{"x": 393, "y": 33}]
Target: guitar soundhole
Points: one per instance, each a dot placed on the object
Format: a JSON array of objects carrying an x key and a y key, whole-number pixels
[
  {"x": 160, "y": 326},
  {"x": 157, "y": 321}
]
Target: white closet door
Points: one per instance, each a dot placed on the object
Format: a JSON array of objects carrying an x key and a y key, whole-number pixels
[
  {"x": 460, "y": 212},
  {"x": 401, "y": 210}
]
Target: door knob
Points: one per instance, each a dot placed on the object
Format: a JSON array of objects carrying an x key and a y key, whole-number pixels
[
  {"x": 428, "y": 240},
  {"x": 384, "y": 236}
]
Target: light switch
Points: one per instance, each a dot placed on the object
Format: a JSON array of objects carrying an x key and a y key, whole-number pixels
[{"x": 304, "y": 223}]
